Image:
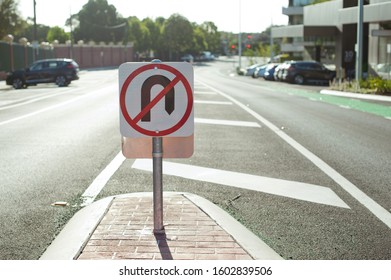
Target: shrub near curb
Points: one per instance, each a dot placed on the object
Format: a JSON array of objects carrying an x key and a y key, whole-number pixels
[{"x": 372, "y": 85}]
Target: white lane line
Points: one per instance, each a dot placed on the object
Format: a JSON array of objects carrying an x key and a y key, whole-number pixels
[
  {"x": 101, "y": 180},
  {"x": 27, "y": 100},
  {"x": 225, "y": 122},
  {"x": 213, "y": 102},
  {"x": 205, "y": 92},
  {"x": 377, "y": 210},
  {"x": 295, "y": 190},
  {"x": 103, "y": 90}
]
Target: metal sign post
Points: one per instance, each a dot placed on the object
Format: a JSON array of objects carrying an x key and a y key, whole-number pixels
[
  {"x": 156, "y": 101},
  {"x": 157, "y": 158}
]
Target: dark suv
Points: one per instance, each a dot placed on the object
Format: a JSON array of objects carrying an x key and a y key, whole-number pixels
[
  {"x": 60, "y": 71},
  {"x": 299, "y": 72}
]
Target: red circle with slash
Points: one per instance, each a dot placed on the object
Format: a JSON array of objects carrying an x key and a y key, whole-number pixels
[{"x": 133, "y": 122}]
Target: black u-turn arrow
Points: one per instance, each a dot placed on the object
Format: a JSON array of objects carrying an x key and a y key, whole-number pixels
[{"x": 146, "y": 95}]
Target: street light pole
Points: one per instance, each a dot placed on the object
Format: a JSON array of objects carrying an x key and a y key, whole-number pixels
[
  {"x": 359, "y": 45},
  {"x": 271, "y": 42},
  {"x": 35, "y": 31},
  {"x": 240, "y": 35}
]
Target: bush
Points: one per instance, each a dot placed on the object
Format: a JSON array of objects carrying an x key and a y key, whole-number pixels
[
  {"x": 379, "y": 85},
  {"x": 371, "y": 85}
]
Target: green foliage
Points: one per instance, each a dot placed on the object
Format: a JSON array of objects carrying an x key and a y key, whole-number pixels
[
  {"x": 371, "y": 85},
  {"x": 377, "y": 84},
  {"x": 171, "y": 38},
  {"x": 10, "y": 22},
  {"x": 28, "y": 32},
  {"x": 99, "y": 22},
  {"x": 177, "y": 35},
  {"x": 57, "y": 33}
]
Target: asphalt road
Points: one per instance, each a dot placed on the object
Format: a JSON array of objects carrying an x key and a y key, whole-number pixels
[{"x": 310, "y": 176}]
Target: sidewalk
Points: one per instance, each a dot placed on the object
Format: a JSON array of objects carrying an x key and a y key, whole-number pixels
[{"x": 121, "y": 227}]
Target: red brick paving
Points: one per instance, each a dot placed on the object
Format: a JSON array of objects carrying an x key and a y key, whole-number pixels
[{"x": 126, "y": 232}]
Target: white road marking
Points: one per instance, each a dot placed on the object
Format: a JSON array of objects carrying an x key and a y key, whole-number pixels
[
  {"x": 225, "y": 122},
  {"x": 377, "y": 210},
  {"x": 205, "y": 92},
  {"x": 295, "y": 190},
  {"x": 213, "y": 102},
  {"x": 95, "y": 92},
  {"x": 101, "y": 180},
  {"x": 27, "y": 100}
]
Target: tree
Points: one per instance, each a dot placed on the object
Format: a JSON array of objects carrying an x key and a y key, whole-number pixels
[
  {"x": 10, "y": 21},
  {"x": 57, "y": 33},
  {"x": 140, "y": 36},
  {"x": 212, "y": 36},
  {"x": 28, "y": 31},
  {"x": 100, "y": 22},
  {"x": 199, "y": 41},
  {"x": 178, "y": 36},
  {"x": 155, "y": 33}
]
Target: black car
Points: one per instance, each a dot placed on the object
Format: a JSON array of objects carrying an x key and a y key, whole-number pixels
[
  {"x": 60, "y": 71},
  {"x": 300, "y": 72}
]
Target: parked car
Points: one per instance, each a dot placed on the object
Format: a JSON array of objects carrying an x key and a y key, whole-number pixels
[
  {"x": 299, "y": 72},
  {"x": 205, "y": 56},
  {"x": 60, "y": 71},
  {"x": 259, "y": 71},
  {"x": 187, "y": 58},
  {"x": 279, "y": 70},
  {"x": 269, "y": 71},
  {"x": 249, "y": 71}
]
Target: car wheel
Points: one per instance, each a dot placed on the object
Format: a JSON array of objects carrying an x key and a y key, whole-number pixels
[
  {"x": 18, "y": 83},
  {"x": 61, "y": 81},
  {"x": 299, "y": 80}
]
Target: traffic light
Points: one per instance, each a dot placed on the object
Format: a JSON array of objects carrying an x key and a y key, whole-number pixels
[
  {"x": 248, "y": 46},
  {"x": 233, "y": 47}
]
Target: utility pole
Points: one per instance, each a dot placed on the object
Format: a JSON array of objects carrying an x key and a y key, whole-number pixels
[
  {"x": 359, "y": 45},
  {"x": 35, "y": 42},
  {"x": 271, "y": 42},
  {"x": 240, "y": 35}
]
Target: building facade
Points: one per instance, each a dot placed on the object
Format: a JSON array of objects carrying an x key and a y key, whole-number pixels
[{"x": 327, "y": 32}]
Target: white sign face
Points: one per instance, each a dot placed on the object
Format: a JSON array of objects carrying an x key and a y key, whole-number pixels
[{"x": 156, "y": 99}]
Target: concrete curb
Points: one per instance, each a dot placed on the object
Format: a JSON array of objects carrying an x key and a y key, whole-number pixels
[
  {"x": 258, "y": 249},
  {"x": 357, "y": 95},
  {"x": 77, "y": 231}
]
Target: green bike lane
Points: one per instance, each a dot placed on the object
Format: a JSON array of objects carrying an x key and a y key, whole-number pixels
[{"x": 379, "y": 105}]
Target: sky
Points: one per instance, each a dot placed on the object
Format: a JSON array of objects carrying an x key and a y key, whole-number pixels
[{"x": 249, "y": 16}]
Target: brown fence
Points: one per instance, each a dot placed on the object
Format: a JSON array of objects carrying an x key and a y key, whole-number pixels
[
  {"x": 93, "y": 56},
  {"x": 17, "y": 56}
]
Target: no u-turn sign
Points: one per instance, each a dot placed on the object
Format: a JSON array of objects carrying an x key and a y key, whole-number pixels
[{"x": 156, "y": 99}]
